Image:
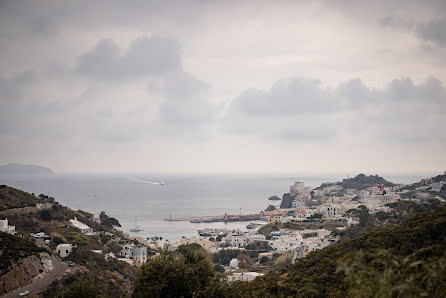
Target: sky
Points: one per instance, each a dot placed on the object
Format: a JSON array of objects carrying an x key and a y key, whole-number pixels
[{"x": 224, "y": 86}]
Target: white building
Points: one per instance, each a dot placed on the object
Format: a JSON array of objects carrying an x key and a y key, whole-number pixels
[
  {"x": 64, "y": 249},
  {"x": 299, "y": 188},
  {"x": 257, "y": 237},
  {"x": 4, "y": 227},
  {"x": 86, "y": 230},
  {"x": 137, "y": 253},
  {"x": 332, "y": 211},
  {"x": 233, "y": 264},
  {"x": 237, "y": 240},
  {"x": 140, "y": 254},
  {"x": 285, "y": 243},
  {"x": 331, "y": 188}
]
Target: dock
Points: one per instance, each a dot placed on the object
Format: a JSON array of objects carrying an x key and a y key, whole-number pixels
[{"x": 216, "y": 218}]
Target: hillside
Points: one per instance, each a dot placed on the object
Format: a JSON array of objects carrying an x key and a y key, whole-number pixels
[
  {"x": 16, "y": 168},
  {"x": 408, "y": 260},
  {"x": 362, "y": 181},
  {"x": 31, "y": 214},
  {"x": 13, "y": 198}
]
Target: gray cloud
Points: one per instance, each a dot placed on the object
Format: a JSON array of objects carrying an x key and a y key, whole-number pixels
[
  {"x": 12, "y": 88},
  {"x": 433, "y": 31},
  {"x": 146, "y": 56},
  {"x": 402, "y": 110},
  {"x": 184, "y": 108},
  {"x": 286, "y": 97}
]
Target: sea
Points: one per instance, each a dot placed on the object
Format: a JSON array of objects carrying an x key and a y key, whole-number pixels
[{"x": 145, "y": 200}]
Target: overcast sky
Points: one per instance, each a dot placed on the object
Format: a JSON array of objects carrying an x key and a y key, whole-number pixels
[{"x": 224, "y": 86}]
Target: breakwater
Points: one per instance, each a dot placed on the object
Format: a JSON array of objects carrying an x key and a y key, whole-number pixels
[{"x": 216, "y": 218}]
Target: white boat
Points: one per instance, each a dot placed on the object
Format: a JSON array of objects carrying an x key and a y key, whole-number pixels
[
  {"x": 162, "y": 183},
  {"x": 136, "y": 228}
]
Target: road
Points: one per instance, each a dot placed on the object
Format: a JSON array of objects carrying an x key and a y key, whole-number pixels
[{"x": 57, "y": 273}]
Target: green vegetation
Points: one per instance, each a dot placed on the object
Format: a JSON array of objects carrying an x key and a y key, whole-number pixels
[
  {"x": 362, "y": 181},
  {"x": 88, "y": 284},
  {"x": 267, "y": 229},
  {"x": 13, "y": 198},
  {"x": 401, "y": 210},
  {"x": 188, "y": 273},
  {"x": 84, "y": 286},
  {"x": 107, "y": 221},
  {"x": 224, "y": 256},
  {"x": 411, "y": 254}
]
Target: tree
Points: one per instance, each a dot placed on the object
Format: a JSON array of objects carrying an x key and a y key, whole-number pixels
[
  {"x": 264, "y": 260},
  {"x": 44, "y": 215},
  {"x": 57, "y": 240},
  {"x": 108, "y": 221},
  {"x": 85, "y": 287},
  {"x": 219, "y": 268},
  {"x": 244, "y": 261},
  {"x": 316, "y": 216},
  {"x": 185, "y": 274}
]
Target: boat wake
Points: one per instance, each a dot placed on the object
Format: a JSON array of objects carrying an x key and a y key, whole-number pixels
[{"x": 145, "y": 181}]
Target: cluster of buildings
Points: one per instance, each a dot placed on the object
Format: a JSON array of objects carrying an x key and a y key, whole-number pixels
[{"x": 429, "y": 188}]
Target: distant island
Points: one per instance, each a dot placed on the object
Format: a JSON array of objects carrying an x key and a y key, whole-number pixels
[{"x": 16, "y": 168}]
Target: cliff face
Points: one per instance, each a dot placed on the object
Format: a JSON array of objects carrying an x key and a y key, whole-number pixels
[
  {"x": 24, "y": 271},
  {"x": 287, "y": 201}
]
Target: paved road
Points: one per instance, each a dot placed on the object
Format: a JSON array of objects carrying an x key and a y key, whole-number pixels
[{"x": 57, "y": 273}]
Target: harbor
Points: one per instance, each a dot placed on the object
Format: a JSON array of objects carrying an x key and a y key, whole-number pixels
[{"x": 217, "y": 218}]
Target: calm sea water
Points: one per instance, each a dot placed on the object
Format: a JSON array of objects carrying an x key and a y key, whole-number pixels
[{"x": 138, "y": 198}]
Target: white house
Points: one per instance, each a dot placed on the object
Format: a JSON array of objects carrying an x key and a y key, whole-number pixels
[
  {"x": 285, "y": 243},
  {"x": 244, "y": 276},
  {"x": 137, "y": 253},
  {"x": 64, "y": 249},
  {"x": 4, "y": 227},
  {"x": 250, "y": 276},
  {"x": 86, "y": 230},
  {"x": 140, "y": 254},
  {"x": 256, "y": 237},
  {"x": 237, "y": 240}
]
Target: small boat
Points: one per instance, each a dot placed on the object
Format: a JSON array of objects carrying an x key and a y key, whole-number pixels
[
  {"x": 253, "y": 225},
  {"x": 162, "y": 183},
  {"x": 136, "y": 229}
]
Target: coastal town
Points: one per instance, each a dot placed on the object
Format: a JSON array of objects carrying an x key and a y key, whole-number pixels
[{"x": 304, "y": 220}]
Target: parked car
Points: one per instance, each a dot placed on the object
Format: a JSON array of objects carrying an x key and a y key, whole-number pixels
[
  {"x": 39, "y": 235},
  {"x": 67, "y": 272},
  {"x": 70, "y": 263},
  {"x": 24, "y": 293}
]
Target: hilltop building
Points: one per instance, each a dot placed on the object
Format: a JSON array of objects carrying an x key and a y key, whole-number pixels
[{"x": 6, "y": 228}]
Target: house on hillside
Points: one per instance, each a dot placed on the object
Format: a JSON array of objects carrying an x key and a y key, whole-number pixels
[
  {"x": 137, "y": 253},
  {"x": 85, "y": 229},
  {"x": 64, "y": 249},
  {"x": 6, "y": 228}
]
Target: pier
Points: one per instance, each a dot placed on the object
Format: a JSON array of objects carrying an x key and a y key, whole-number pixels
[{"x": 216, "y": 218}]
